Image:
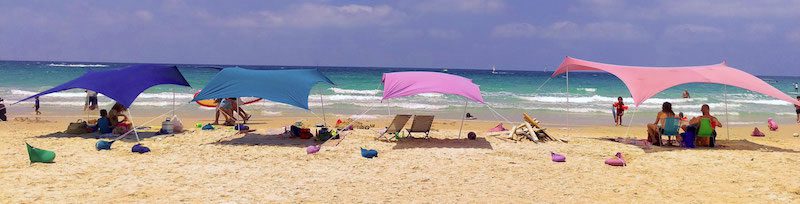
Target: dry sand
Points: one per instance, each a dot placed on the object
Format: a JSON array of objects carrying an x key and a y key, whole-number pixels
[{"x": 218, "y": 166}]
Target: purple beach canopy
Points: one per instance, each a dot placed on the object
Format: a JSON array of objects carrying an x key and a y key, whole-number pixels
[
  {"x": 400, "y": 84},
  {"x": 123, "y": 84}
]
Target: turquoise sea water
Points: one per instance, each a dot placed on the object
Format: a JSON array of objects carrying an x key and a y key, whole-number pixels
[{"x": 359, "y": 89}]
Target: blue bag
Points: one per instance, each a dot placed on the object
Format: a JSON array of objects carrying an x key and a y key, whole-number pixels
[
  {"x": 369, "y": 154},
  {"x": 139, "y": 148},
  {"x": 103, "y": 145}
]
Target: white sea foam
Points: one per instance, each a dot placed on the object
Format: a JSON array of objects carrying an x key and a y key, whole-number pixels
[
  {"x": 162, "y": 95},
  {"x": 271, "y": 113},
  {"x": 365, "y": 116},
  {"x": 344, "y": 97},
  {"x": 75, "y": 65},
  {"x": 353, "y": 91},
  {"x": 763, "y": 102},
  {"x": 588, "y": 89}
]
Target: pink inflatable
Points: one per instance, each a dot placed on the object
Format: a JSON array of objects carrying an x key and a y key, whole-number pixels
[
  {"x": 757, "y": 133},
  {"x": 312, "y": 149},
  {"x": 616, "y": 161},
  {"x": 772, "y": 124}
]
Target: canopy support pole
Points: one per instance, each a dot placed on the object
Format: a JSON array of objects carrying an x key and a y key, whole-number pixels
[
  {"x": 727, "y": 115},
  {"x": 568, "y": 105},
  {"x": 323, "y": 109},
  {"x": 628, "y": 130},
  {"x": 133, "y": 126},
  {"x": 463, "y": 116},
  {"x": 173, "y": 101},
  {"x": 498, "y": 114}
]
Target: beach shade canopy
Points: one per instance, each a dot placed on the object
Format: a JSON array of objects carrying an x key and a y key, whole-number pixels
[
  {"x": 400, "y": 84},
  {"x": 646, "y": 82},
  {"x": 122, "y": 84},
  {"x": 290, "y": 87}
]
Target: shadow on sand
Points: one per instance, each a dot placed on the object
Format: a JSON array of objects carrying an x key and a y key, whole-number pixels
[
  {"x": 721, "y": 145},
  {"x": 252, "y": 139},
  {"x": 478, "y": 143},
  {"x": 129, "y": 137}
]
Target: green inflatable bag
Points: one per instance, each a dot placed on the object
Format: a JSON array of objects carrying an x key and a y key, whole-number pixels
[{"x": 40, "y": 155}]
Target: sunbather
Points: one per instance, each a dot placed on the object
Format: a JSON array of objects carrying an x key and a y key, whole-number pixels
[{"x": 654, "y": 129}]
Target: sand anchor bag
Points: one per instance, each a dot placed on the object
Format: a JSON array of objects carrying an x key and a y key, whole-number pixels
[{"x": 79, "y": 127}]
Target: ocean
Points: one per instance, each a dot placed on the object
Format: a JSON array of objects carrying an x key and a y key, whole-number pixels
[{"x": 359, "y": 89}]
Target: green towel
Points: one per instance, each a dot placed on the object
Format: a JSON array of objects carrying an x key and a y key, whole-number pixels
[{"x": 40, "y": 155}]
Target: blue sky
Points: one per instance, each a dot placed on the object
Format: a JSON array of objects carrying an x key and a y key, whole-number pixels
[{"x": 761, "y": 37}]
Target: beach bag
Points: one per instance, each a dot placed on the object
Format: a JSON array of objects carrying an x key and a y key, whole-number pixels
[
  {"x": 40, "y": 155},
  {"x": 103, "y": 145},
  {"x": 616, "y": 160},
  {"x": 312, "y": 149},
  {"x": 557, "y": 157},
  {"x": 177, "y": 125},
  {"x": 305, "y": 133},
  {"x": 79, "y": 127},
  {"x": 472, "y": 136},
  {"x": 757, "y": 133},
  {"x": 139, "y": 148},
  {"x": 208, "y": 127},
  {"x": 369, "y": 154}
]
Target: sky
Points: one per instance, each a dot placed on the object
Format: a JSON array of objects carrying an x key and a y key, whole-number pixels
[{"x": 761, "y": 37}]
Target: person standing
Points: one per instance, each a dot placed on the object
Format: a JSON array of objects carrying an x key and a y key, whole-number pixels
[
  {"x": 2, "y": 111},
  {"x": 686, "y": 93},
  {"x": 91, "y": 100},
  {"x": 619, "y": 108},
  {"x": 795, "y": 87},
  {"x": 36, "y": 106},
  {"x": 797, "y": 110}
]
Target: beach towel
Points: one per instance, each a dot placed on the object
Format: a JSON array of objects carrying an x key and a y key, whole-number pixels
[
  {"x": 208, "y": 127},
  {"x": 369, "y": 154},
  {"x": 557, "y": 157},
  {"x": 40, "y": 155},
  {"x": 773, "y": 126},
  {"x": 616, "y": 160},
  {"x": 139, "y": 148},
  {"x": 757, "y": 133},
  {"x": 103, "y": 145},
  {"x": 498, "y": 128},
  {"x": 312, "y": 149}
]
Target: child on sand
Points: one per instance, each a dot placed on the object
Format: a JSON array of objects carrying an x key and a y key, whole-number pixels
[
  {"x": 619, "y": 110},
  {"x": 103, "y": 123}
]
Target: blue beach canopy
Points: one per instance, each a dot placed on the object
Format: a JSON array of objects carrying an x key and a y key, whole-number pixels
[
  {"x": 123, "y": 84},
  {"x": 284, "y": 86}
]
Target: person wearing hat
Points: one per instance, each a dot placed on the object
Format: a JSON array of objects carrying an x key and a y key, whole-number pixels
[{"x": 2, "y": 111}]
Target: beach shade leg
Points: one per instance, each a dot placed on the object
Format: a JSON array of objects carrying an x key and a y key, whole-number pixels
[
  {"x": 133, "y": 126},
  {"x": 727, "y": 115},
  {"x": 568, "y": 105},
  {"x": 323, "y": 108},
  {"x": 463, "y": 115}
]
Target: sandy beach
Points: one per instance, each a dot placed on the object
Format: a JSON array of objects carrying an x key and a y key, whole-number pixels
[{"x": 220, "y": 166}]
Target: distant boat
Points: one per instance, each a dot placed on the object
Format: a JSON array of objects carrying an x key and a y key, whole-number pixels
[
  {"x": 444, "y": 70},
  {"x": 494, "y": 70}
]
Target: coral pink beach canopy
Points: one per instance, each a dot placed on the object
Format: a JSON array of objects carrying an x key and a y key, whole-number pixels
[
  {"x": 645, "y": 82},
  {"x": 400, "y": 84}
]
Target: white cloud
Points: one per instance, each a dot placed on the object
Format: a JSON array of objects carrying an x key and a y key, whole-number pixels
[
  {"x": 144, "y": 15},
  {"x": 694, "y": 33},
  {"x": 733, "y": 8},
  {"x": 310, "y": 15},
  {"x": 475, "y": 6},
  {"x": 567, "y": 30}
]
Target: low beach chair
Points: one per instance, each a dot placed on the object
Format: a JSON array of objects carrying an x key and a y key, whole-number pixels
[
  {"x": 704, "y": 130},
  {"x": 671, "y": 126},
  {"x": 396, "y": 126},
  {"x": 421, "y": 124}
]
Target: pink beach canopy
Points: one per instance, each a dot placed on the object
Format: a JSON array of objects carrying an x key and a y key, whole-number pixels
[
  {"x": 400, "y": 84},
  {"x": 645, "y": 82}
]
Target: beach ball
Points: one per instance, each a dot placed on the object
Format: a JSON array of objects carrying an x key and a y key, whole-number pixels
[{"x": 472, "y": 136}]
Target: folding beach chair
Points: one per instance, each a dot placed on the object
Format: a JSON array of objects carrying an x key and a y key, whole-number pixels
[
  {"x": 421, "y": 124},
  {"x": 396, "y": 126},
  {"x": 671, "y": 126},
  {"x": 706, "y": 131}
]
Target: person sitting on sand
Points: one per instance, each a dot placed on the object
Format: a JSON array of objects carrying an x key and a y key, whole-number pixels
[
  {"x": 226, "y": 107},
  {"x": 714, "y": 122},
  {"x": 103, "y": 123},
  {"x": 2, "y": 111},
  {"x": 654, "y": 129},
  {"x": 120, "y": 125},
  {"x": 619, "y": 107},
  {"x": 470, "y": 117}
]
